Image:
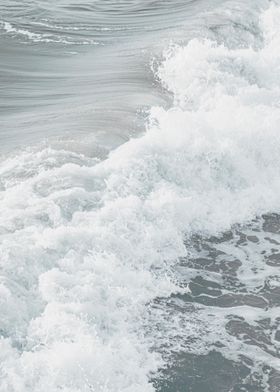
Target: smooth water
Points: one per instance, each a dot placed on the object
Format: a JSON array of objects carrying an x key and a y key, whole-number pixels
[
  {"x": 79, "y": 69},
  {"x": 139, "y": 189}
]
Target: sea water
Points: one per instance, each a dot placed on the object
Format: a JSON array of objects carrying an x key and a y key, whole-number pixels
[{"x": 139, "y": 190}]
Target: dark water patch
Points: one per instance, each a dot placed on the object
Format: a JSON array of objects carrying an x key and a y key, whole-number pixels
[
  {"x": 229, "y": 312},
  {"x": 205, "y": 373}
]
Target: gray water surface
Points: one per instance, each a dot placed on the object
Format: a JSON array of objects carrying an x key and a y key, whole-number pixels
[
  {"x": 95, "y": 293},
  {"x": 75, "y": 68}
]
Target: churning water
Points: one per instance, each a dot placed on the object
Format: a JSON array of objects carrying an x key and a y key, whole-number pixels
[{"x": 139, "y": 190}]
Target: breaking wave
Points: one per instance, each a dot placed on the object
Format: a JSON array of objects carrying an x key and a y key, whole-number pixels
[{"x": 87, "y": 245}]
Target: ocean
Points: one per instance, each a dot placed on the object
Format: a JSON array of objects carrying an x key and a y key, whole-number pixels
[{"x": 139, "y": 196}]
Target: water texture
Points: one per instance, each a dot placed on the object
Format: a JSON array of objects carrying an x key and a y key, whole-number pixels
[{"x": 139, "y": 193}]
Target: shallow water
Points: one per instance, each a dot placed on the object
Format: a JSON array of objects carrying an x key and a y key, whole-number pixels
[
  {"x": 229, "y": 319},
  {"x": 139, "y": 190}
]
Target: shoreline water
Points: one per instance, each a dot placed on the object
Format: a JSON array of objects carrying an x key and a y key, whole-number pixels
[{"x": 112, "y": 262}]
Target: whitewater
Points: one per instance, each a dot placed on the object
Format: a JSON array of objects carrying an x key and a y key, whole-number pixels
[{"x": 139, "y": 226}]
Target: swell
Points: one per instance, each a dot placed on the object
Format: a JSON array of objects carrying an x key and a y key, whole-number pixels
[{"x": 89, "y": 23}]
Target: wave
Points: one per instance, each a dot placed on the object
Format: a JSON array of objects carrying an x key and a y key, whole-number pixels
[
  {"x": 86, "y": 24},
  {"x": 87, "y": 245},
  {"x": 42, "y": 37}
]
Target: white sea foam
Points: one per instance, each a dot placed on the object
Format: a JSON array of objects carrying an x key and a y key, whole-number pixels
[
  {"x": 86, "y": 245},
  {"x": 42, "y": 37}
]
